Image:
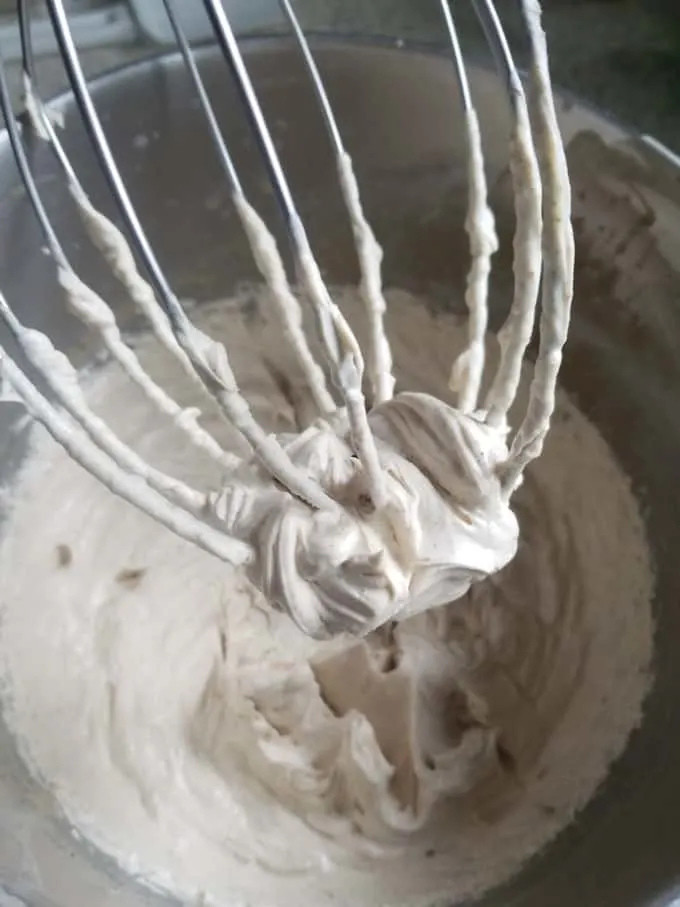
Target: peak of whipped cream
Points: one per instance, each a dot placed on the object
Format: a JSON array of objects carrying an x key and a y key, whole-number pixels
[{"x": 445, "y": 522}]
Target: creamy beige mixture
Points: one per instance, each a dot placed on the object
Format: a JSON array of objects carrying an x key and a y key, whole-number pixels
[
  {"x": 214, "y": 749},
  {"x": 177, "y": 704}
]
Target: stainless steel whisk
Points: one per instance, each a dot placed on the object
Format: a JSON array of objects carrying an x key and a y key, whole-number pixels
[{"x": 539, "y": 175}]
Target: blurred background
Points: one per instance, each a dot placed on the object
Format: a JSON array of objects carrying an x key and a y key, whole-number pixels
[{"x": 622, "y": 56}]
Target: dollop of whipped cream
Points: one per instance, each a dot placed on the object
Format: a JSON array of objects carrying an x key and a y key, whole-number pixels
[{"x": 446, "y": 522}]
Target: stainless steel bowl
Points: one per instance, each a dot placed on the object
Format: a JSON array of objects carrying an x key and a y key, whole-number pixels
[{"x": 399, "y": 115}]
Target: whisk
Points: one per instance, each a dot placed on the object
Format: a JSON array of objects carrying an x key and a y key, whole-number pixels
[{"x": 410, "y": 504}]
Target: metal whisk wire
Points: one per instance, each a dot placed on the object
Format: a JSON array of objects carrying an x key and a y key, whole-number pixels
[
  {"x": 207, "y": 362},
  {"x": 342, "y": 350},
  {"x": 222, "y": 385}
]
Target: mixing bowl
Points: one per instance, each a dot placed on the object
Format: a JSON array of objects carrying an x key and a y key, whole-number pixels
[{"x": 399, "y": 112}]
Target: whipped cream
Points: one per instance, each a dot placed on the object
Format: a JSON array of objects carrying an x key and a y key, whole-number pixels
[
  {"x": 216, "y": 751},
  {"x": 407, "y": 738}
]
